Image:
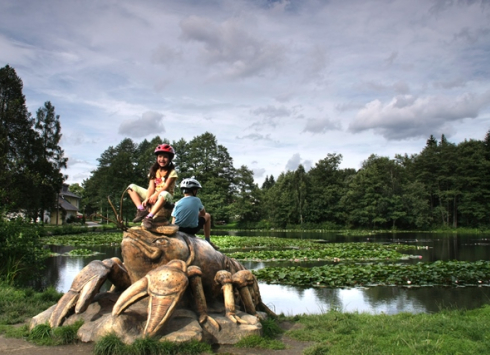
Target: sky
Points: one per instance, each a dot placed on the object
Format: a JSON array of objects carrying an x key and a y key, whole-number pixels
[{"x": 279, "y": 83}]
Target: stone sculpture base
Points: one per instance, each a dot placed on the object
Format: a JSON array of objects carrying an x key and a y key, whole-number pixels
[{"x": 128, "y": 326}]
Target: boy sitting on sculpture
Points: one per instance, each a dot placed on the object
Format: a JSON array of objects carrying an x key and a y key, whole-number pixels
[{"x": 189, "y": 212}]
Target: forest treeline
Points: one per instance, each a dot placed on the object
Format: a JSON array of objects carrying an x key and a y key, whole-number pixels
[{"x": 445, "y": 185}]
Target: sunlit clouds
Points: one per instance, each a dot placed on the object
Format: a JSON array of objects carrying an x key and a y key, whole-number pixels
[{"x": 279, "y": 83}]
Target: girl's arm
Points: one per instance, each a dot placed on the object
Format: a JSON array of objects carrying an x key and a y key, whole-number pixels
[
  {"x": 154, "y": 195},
  {"x": 168, "y": 183}
]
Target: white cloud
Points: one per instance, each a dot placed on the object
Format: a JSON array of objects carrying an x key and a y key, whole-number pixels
[
  {"x": 227, "y": 44},
  {"x": 259, "y": 172},
  {"x": 256, "y": 137},
  {"x": 273, "y": 111},
  {"x": 295, "y": 161},
  {"x": 150, "y": 123},
  {"x": 409, "y": 116},
  {"x": 166, "y": 55},
  {"x": 320, "y": 125}
]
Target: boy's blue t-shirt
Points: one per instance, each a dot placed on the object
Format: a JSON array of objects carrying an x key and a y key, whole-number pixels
[{"x": 186, "y": 211}]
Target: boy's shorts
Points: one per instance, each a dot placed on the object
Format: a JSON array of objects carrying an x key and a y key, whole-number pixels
[{"x": 193, "y": 230}]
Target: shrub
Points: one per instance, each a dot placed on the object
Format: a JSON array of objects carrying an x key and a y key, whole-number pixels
[{"x": 21, "y": 251}]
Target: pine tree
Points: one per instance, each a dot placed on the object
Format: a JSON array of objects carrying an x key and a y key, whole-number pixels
[
  {"x": 50, "y": 156},
  {"x": 17, "y": 141}
]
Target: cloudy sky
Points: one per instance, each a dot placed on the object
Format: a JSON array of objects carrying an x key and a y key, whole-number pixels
[{"x": 279, "y": 83}]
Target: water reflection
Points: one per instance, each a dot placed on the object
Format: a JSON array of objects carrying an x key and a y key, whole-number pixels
[{"x": 292, "y": 300}]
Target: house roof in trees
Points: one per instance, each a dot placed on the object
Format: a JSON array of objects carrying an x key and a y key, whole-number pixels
[
  {"x": 67, "y": 206},
  {"x": 65, "y": 192}
]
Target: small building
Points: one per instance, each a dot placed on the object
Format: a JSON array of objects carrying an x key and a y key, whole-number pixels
[{"x": 68, "y": 206}]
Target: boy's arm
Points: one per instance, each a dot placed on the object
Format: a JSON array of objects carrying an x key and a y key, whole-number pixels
[{"x": 202, "y": 212}]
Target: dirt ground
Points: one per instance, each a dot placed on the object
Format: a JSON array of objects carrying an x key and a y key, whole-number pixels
[{"x": 13, "y": 346}]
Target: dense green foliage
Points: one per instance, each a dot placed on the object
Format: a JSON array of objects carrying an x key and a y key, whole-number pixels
[
  {"x": 21, "y": 252},
  {"x": 445, "y": 332},
  {"x": 30, "y": 156},
  {"x": 445, "y": 185}
]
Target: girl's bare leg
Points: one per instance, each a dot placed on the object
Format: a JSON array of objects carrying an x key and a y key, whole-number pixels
[
  {"x": 156, "y": 207},
  {"x": 134, "y": 197}
]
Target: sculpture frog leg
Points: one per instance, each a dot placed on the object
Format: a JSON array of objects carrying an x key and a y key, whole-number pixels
[{"x": 87, "y": 284}]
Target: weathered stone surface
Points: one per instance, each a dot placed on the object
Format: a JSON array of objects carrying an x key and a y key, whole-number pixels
[
  {"x": 41, "y": 318},
  {"x": 231, "y": 333},
  {"x": 183, "y": 325}
]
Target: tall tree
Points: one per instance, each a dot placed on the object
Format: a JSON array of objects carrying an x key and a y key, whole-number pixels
[
  {"x": 246, "y": 203},
  {"x": 51, "y": 156},
  {"x": 211, "y": 164},
  {"x": 17, "y": 142},
  {"x": 116, "y": 170},
  {"x": 268, "y": 182},
  {"x": 473, "y": 184},
  {"x": 325, "y": 191},
  {"x": 374, "y": 198}
]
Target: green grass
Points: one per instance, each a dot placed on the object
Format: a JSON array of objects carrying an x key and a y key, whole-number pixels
[
  {"x": 112, "y": 345},
  {"x": 43, "y": 334},
  {"x": 270, "y": 331},
  {"x": 445, "y": 332},
  {"x": 10, "y": 331},
  {"x": 17, "y": 305},
  {"x": 256, "y": 341}
]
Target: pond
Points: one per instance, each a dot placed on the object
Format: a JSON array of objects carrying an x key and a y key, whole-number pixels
[{"x": 291, "y": 300}]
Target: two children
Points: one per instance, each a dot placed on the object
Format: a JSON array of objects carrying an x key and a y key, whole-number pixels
[{"x": 189, "y": 213}]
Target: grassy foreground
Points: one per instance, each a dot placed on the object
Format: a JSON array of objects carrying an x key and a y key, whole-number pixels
[
  {"x": 445, "y": 332},
  {"x": 334, "y": 332}
]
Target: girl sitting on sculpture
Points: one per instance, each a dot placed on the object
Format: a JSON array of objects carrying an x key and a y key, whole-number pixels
[{"x": 160, "y": 190}]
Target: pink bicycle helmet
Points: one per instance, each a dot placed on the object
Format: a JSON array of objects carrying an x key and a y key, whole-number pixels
[{"x": 165, "y": 148}]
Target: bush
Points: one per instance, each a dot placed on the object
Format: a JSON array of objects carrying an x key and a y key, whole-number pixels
[
  {"x": 71, "y": 219},
  {"x": 21, "y": 252}
]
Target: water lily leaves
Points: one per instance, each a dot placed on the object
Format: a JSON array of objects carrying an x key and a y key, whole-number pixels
[{"x": 451, "y": 273}]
